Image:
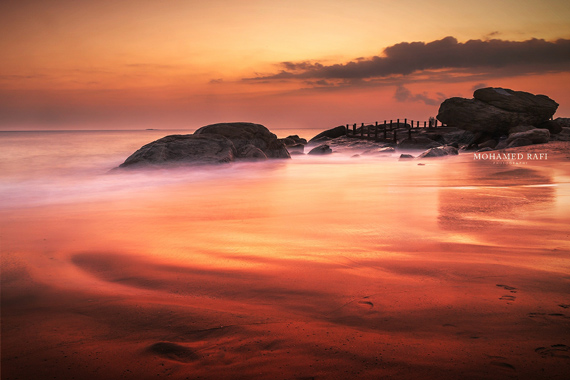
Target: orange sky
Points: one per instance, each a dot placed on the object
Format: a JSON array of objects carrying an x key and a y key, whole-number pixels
[{"x": 183, "y": 64}]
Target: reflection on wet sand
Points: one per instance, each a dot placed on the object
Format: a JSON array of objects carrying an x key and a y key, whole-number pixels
[{"x": 306, "y": 270}]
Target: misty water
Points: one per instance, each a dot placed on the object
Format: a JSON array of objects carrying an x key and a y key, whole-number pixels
[{"x": 402, "y": 254}]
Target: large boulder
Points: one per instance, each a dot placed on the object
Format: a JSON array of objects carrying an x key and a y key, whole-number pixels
[
  {"x": 330, "y": 134},
  {"x": 540, "y": 106},
  {"x": 175, "y": 149},
  {"x": 243, "y": 134},
  {"x": 496, "y": 110}
]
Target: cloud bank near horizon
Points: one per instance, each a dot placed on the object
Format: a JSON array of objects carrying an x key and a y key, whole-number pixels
[{"x": 447, "y": 54}]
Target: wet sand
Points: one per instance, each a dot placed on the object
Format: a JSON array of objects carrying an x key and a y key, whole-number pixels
[{"x": 361, "y": 269}]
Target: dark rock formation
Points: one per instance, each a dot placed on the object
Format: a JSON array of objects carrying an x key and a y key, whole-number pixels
[
  {"x": 242, "y": 134},
  {"x": 564, "y": 134},
  {"x": 540, "y": 106},
  {"x": 460, "y": 137},
  {"x": 488, "y": 144},
  {"x": 521, "y": 141},
  {"x": 321, "y": 149},
  {"x": 418, "y": 142},
  {"x": 537, "y": 135},
  {"x": 553, "y": 126},
  {"x": 296, "y": 149},
  {"x": 183, "y": 149},
  {"x": 496, "y": 110},
  {"x": 532, "y": 136},
  {"x": 251, "y": 152},
  {"x": 215, "y": 143},
  {"x": 439, "y": 152},
  {"x": 404, "y": 157},
  {"x": 297, "y": 139},
  {"x": 329, "y": 134}
]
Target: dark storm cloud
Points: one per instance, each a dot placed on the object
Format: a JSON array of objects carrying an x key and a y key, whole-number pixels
[{"x": 535, "y": 55}]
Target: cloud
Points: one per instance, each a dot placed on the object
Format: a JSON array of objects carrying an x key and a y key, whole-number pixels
[
  {"x": 406, "y": 58},
  {"x": 403, "y": 94}
]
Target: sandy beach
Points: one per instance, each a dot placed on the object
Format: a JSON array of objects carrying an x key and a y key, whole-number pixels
[{"x": 319, "y": 270}]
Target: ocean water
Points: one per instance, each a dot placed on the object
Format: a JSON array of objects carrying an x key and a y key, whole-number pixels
[{"x": 406, "y": 266}]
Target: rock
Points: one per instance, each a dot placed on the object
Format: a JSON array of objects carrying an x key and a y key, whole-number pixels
[
  {"x": 321, "y": 149},
  {"x": 242, "y": 134},
  {"x": 486, "y": 149},
  {"x": 563, "y": 121},
  {"x": 183, "y": 149},
  {"x": 488, "y": 144},
  {"x": 536, "y": 136},
  {"x": 496, "y": 110},
  {"x": 297, "y": 139},
  {"x": 471, "y": 147},
  {"x": 418, "y": 142},
  {"x": 330, "y": 134},
  {"x": 439, "y": 152},
  {"x": 517, "y": 101},
  {"x": 297, "y": 149},
  {"x": 520, "y": 128},
  {"x": 521, "y": 141},
  {"x": 287, "y": 141},
  {"x": 553, "y": 126},
  {"x": 251, "y": 152},
  {"x": 404, "y": 157},
  {"x": 460, "y": 137},
  {"x": 564, "y": 134}
]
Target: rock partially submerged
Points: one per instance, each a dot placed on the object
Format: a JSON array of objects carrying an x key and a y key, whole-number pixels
[
  {"x": 176, "y": 149},
  {"x": 321, "y": 150},
  {"x": 329, "y": 134},
  {"x": 216, "y": 143},
  {"x": 439, "y": 151}
]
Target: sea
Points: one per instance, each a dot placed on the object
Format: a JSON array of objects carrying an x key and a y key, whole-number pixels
[{"x": 293, "y": 268}]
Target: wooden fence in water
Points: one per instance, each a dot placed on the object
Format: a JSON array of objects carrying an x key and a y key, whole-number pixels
[{"x": 389, "y": 130}]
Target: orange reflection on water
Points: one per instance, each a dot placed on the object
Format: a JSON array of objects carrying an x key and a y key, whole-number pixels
[{"x": 308, "y": 268}]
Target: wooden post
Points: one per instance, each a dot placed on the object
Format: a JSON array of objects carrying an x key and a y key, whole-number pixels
[
  {"x": 418, "y": 124},
  {"x": 435, "y": 126},
  {"x": 354, "y": 129},
  {"x": 405, "y": 122},
  {"x": 362, "y": 130},
  {"x": 390, "y": 124},
  {"x": 385, "y": 129},
  {"x": 347, "y": 129},
  {"x": 410, "y": 133},
  {"x": 425, "y": 122},
  {"x": 397, "y": 123},
  {"x": 376, "y": 132}
]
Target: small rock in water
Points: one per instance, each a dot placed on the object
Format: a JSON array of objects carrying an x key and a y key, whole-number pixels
[{"x": 321, "y": 149}]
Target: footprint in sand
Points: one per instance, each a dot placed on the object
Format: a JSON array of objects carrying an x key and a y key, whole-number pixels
[
  {"x": 507, "y": 287},
  {"x": 508, "y": 298},
  {"x": 366, "y": 304},
  {"x": 498, "y": 361},
  {"x": 554, "y": 351},
  {"x": 173, "y": 351}
]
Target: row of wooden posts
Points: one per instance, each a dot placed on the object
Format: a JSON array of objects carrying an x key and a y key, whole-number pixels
[{"x": 388, "y": 126}]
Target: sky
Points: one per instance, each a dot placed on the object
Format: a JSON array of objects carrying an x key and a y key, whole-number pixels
[{"x": 285, "y": 64}]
